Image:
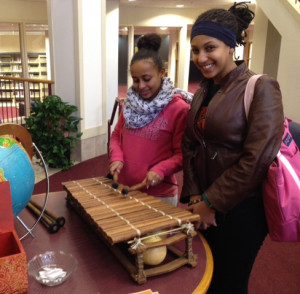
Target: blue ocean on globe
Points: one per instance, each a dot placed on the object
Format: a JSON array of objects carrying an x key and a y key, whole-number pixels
[{"x": 16, "y": 167}]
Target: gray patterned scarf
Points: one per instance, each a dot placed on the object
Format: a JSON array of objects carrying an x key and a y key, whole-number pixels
[{"x": 139, "y": 112}]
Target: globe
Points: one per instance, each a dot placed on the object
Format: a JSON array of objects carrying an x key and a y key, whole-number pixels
[{"x": 16, "y": 167}]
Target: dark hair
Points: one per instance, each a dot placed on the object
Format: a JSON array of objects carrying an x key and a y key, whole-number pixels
[
  {"x": 148, "y": 47},
  {"x": 237, "y": 18}
]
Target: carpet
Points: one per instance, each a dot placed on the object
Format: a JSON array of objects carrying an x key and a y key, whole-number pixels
[
  {"x": 193, "y": 87},
  {"x": 94, "y": 167},
  {"x": 277, "y": 267}
]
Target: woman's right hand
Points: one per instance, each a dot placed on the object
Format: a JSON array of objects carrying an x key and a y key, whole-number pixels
[{"x": 116, "y": 166}]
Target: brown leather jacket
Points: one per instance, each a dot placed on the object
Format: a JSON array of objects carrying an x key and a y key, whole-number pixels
[{"x": 231, "y": 159}]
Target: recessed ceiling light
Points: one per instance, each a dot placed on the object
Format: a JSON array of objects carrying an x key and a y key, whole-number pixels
[
  {"x": 131, "y": 0},
  {"x": 180, "y": 5},
  {"x": 163, "y": 28}
]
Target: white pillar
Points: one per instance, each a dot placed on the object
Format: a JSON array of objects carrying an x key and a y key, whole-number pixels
[
  {"x": 78, "y": 47},
  {"x": 112, "y": 53},
  {"x": 61, "y": 33},
  {"x": 183, "y": 59},
  {"x": 172, "y": 56},
  {"x": 130, "y": 53}
]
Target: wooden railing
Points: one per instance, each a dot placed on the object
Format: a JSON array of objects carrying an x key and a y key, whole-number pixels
[
  {"x": 119, "y": 103},
  {"x": 17, "y": 96}
]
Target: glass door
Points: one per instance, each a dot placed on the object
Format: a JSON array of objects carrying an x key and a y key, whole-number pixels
[
  {"x": 10, "y": 67},
  {"x": 37, "y": 43},
  {"x": 10, "y": 50}
]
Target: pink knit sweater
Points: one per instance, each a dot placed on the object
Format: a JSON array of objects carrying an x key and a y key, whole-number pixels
[{"x": 156, "y": 147}]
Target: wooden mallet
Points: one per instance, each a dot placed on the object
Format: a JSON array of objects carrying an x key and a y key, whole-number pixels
[
  {"x": 60, "y": 220},
  {"x": 115, "y": 184},
  {"x": 125, "y": 191},
  {"x": 51, "y": 225}
]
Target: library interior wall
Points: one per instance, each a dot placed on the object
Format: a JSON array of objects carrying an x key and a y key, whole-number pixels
[
  {"x": 36, "y": 43},
  {"x": 259, "y": 41},
  {"x": 288, "y": 26},
  {"x": 11, "y": 43},
  {"x": 272, "y": 51},
  {"x": 157, "y": 16},
  {"x": 289, "y": 62},
  {"x": 23, "y": 11}
]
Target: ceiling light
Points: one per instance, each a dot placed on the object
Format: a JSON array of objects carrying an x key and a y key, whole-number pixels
[
  {"x": 163, "y": 28},
  {"x": 131, "y": 0},
  {"x": 180, "y": 5}
]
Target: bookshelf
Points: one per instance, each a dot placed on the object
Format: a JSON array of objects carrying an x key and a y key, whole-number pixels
[
  {"x": 37, "y": 65},
  {"x": 11, "y": 66}
]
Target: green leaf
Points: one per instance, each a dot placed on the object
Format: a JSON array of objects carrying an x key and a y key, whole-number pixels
[{"x": 54, "y": 129}]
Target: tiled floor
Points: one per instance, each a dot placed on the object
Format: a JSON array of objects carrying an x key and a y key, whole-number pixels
[{"x": 40, "y": 172}]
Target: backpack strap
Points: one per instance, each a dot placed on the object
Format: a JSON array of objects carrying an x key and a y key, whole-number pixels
[{"x": 248, "y": 96}]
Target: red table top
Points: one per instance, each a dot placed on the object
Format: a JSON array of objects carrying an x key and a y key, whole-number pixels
[{"x": 98, "y": 269}]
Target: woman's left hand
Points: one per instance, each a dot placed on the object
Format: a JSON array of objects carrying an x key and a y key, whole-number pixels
[
  {"x": 207, "y": 215},
  {"x": 152, "y": 179}
]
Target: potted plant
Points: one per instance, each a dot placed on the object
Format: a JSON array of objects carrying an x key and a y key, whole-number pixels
[{"x": 54, "y": 130}]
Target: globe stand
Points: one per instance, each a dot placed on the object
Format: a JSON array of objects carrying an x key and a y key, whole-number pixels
[
  {"x": 30, "y": 229},
  {"x": 25, "y": 226},
  {"x": 21, "y": 134}
]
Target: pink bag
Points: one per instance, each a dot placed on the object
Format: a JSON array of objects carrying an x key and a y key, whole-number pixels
[{"x": 281, "y": 188}]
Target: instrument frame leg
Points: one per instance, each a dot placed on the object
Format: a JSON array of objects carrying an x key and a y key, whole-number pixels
[
  {"x": 191, "y": 257},
  {"x": 140, "y": 276}
]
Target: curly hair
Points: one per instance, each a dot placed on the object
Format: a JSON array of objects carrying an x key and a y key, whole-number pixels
[
  {"x": 148, "y": 47},
  {"x": 237, "y": 18}
]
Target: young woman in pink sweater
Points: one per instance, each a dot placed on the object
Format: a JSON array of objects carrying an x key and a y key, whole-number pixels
[{"x": 145, "y": 145}]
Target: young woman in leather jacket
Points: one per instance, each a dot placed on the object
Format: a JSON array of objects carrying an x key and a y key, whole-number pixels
[{"x": 225, "y": 155}]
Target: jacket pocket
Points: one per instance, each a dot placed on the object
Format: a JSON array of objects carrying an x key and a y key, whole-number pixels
[{"x": 220, "y": 159}]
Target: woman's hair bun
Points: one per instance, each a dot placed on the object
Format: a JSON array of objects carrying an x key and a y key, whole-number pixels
[
  {"x": 148, "y": 46},
  {"x": 149, "y": 42},
  {"x": 243, "y": 14}
]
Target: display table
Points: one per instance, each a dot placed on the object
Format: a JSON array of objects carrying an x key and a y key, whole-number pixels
[{"x": 98, "y": 269}]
